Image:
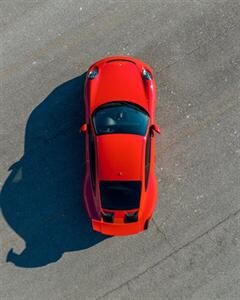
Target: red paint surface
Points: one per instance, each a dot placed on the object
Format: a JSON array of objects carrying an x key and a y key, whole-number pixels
[{"x": 119, "y": 156}]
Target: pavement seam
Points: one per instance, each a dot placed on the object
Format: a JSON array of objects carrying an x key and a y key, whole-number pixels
[
  {"x": 175, "y": 251},
  {"x": 207, "y": 43},
  {"x": 161, "y": 232}
]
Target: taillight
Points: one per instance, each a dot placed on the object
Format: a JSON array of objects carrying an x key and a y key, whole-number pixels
[
  {"x": 131, "y": 217},
  {"x": 107, "y": 217}
]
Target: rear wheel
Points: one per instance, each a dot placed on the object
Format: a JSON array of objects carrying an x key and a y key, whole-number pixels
[{"x": 146, "y": 224}]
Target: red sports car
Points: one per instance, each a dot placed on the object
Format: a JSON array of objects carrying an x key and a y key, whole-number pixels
[{"x": 119, "y": 187}]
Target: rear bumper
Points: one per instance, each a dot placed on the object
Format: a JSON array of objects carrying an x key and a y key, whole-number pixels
[{"x": 117, "y": 228}]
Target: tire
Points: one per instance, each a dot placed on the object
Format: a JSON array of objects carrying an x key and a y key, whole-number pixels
[{"x": 146, "y": 224}]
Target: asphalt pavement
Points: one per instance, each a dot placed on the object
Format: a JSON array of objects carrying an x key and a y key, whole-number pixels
[{"x": 192, "y": 247}]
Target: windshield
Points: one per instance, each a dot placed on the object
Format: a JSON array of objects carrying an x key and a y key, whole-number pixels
[
  {"x": 120, "y": 117},
  {"x": 120, "y": 195}
]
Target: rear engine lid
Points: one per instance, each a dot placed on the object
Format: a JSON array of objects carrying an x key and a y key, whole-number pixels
[{"x": 120, "y": 195}]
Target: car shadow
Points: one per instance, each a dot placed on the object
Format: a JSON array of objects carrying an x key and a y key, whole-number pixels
[{"x": 41, "y": 199}]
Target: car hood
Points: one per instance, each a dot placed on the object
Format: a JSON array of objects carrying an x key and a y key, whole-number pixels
[
  {"x": 118, "y": 80},
  {"x": 120, "y": 156}
]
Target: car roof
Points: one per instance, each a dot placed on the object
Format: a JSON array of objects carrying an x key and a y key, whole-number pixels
[{"x": 120, "y": 156}]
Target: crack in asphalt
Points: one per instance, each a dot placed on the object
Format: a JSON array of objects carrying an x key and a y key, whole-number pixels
[
  {"x": 225, "y": 32},
  {"x": 175, "y": 251},
  {"x": 161, "y": 232}
]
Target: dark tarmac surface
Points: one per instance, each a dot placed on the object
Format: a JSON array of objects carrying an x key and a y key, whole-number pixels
[{"x": 47, "y": 247}]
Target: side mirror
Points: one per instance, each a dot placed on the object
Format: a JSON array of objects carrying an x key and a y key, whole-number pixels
[
  {"x": 83, "y": 128},
  {"x": 154, "y": 127}
]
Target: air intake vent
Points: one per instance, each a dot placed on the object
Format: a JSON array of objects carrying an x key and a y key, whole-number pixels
[{"x": 116, "y": 60}]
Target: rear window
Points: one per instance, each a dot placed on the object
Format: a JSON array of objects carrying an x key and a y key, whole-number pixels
[{"x": 120, "y": 195}]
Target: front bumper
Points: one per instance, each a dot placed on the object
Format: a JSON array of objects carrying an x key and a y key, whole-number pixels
[{"x": 117, "y": 228}]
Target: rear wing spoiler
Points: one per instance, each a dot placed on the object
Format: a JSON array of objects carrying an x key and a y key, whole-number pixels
[{"x": 117, "y": 228}]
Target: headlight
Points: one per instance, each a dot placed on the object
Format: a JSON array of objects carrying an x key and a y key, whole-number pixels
[
  {"x": 147, "y": 75},
  {"x": 92, "y": 74}
]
